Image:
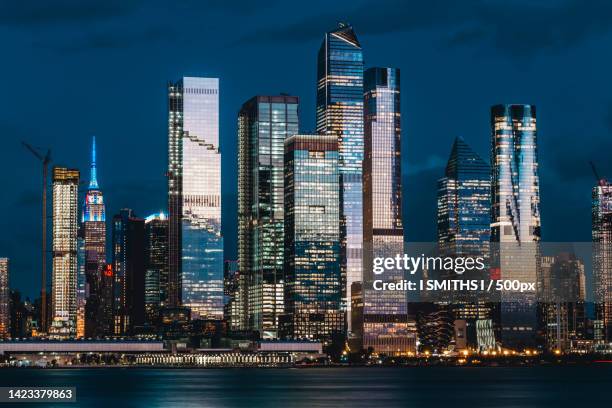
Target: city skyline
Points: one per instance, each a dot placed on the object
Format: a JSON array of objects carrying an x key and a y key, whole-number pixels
[{"x": 451, "y": 70}]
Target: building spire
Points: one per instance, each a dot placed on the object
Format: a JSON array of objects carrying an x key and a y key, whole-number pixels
[{"x": 93, "y": 179}]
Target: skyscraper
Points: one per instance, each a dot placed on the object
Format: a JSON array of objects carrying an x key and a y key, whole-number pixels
[
  {"x": 94, "y": 230},
  {"x": 385, "y": 326},
  {"x": 313, "y": 293},
  {"x": 264, "y": 123},
  {"x": 464, "y": 226},
  {"x": 128, "y": 269},
  {"x": 340, "y": 113},
  {"x": 156, "y": 262},
  {"x": 81, "y": 284},
  {"x": 65, "y": 227},
  {"x": 194, "y": 197},
  {"x": 515, "y": 217},
  {"x": 602, "y": 254},
  {"x": 5, "y": 298}
]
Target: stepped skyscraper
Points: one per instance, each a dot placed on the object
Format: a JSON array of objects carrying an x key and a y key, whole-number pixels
[
  {"x": 194, "y": 197},
  {"x": 340, "y": 113}
]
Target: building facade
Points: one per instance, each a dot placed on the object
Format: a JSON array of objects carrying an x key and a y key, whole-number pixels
[
  {"x": 264, "y": 123},
  {"x": 128, "y": 272},
  {"x": 93, "y": 224},
  {"x": 5, "y": 299},
  {"x": 65, "y": 228},
  {"x": 386, "y": 326},
  {"x": 313, "y": 292},
  {"x": 340, "y": 113},
  {"x": 194, "y": 197},
  {"x": 515, "y": 218},
  {"x": 156, "y": 264},
  {"x": 602, "y": 254}
]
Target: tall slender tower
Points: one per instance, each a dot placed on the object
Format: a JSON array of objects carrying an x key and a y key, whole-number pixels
[
  {"x": 5, "y": 293},
  {"x": 264, "y": 123},
  {"x": 65, "y": 228},
  {"x": 340, "y": 113},
  {"x": 194, "y": 197},
  {"x": 386, "y": 326},
  {"x": 515, "y": 218},
  {"x": 156, "y": 264},
  {"x": 94, "y": 234},
  {"x": 602, "y": 254}
]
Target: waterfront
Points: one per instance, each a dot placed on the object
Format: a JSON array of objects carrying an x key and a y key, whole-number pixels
[{"x": 559, "y": 386}]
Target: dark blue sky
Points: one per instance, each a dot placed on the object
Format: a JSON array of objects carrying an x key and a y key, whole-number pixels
[{"x": 73, "y": 69}]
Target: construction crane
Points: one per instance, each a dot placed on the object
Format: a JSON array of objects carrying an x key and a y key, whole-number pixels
[
  {"x": 600, "y": 181},
  {"x": 44, "y": 160}
]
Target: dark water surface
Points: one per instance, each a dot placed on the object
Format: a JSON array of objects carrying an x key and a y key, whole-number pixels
[{"x": 452, "y": 387}]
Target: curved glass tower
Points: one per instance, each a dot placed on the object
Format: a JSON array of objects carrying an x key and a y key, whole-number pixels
[{"x": 340, "y": 113}]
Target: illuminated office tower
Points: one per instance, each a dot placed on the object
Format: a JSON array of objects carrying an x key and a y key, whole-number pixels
[
  {"x": 464, "y": 227},
  {"x": 65, "y": 228},
  {"x": 340, "y": 113},
  {"x": 515, "y": 218},
  {"x": 313, "y": 292},
  {"x": 156, "y": 262},
  {"x": 5, "y": 298},
  {"x": 264, "y": 123},
  {"x": 128, "y": 272},
  {"x": 231, "y": 286},
  {"x": 386, "y": 327},
  {"x": 94, "y": 229},
  {"x": 195, "y": 278},
  {"x": 602, "y": 254}
]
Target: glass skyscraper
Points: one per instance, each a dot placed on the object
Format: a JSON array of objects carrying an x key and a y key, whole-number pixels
[
  {"x": 194, "y": 197},
  {"x": 515, "y": 217},
  {"x": 93, "y": 225},
  {"x": 264, "y": 123},
  {"x": 464, "y": 226},
  {"x": 385, "y": 326},
  {"x": 313, "y": 292},
  {"x": 156, "y": 263},
  {"x": 602, "y": 254},
  {"x": 65, "y": 228},
  {"x": 340, "y": 113}
]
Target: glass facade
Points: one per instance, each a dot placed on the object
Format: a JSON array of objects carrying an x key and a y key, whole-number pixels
[
  {"x": 264, "y": 123},
  {"x": 340, "y": 113},
  {"x": 313, "y": 293},
  {"x": 156, "y": 263},
  {"x": 5, "y": 298},
  {"x": 97, "y": 306},
  {"x": 65, "y": 228},
  {"x": 194, "y": 197},
  {"x": 515, "y": 217},
  {"x": 464, "y": 225},
  {"x": 385, "y": 326},
  {"x": 602, "y": 254}
]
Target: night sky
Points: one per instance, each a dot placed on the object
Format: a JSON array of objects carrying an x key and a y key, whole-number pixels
[{"x": 73, "y": 69}]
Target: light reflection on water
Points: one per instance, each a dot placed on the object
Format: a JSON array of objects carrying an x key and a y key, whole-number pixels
[{"x": 329, "y": 387}]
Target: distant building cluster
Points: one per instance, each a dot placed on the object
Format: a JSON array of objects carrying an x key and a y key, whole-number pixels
[{"x": 314, "y": 210}]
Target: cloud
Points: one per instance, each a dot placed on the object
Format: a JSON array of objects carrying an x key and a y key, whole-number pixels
[
  {"x": 35, "y": 13},
  {"x": 518, "y": 28}
]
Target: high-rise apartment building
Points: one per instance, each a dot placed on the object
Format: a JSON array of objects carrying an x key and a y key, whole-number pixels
[
  {"x": 94, "y": 230},
  {"x": 313, "y": 292},
  {"x": 65, "y": 228},
  {"x": 602, "y": 254},
  {"x": 264, "y": 123},
  {"x": 515, "y": 218},
  {"x": 340, "y": 113},
  {"x": 386, "y": 326},
  {"x": 195, "y": 277},
  {"x": 5, "y": 299}
]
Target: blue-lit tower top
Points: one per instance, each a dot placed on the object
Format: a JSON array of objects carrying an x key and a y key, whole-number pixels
[{"x": 93, "y": 207}]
